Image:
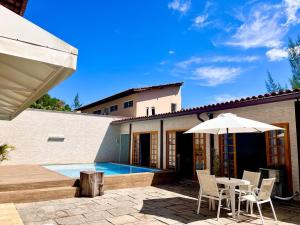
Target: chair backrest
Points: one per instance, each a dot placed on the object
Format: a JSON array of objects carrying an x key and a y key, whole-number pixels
[
  {"x": 253, "y": 177},
  {"x": 202, "y": 172},
  {"x": 208, "y": 185},
  {"x": 266, "y": 188}
]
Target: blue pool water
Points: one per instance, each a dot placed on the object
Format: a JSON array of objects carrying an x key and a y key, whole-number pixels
[{"x": 73, "y": 170}]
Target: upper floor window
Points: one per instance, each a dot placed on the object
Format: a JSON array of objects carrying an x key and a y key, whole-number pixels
[
  {"x": 128, "y": 104},
  {"x": 153, "y": 111},
  {"x": 97, "y": 112},
  {"x": 147, "y": 111},
  {"x": 114, "y": 108},
  {"x": 105, "y": 111},
  {"x": 173, "y": 107}
]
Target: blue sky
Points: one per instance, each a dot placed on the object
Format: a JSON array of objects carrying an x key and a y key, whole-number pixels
[{"x": 220, "y": 49}]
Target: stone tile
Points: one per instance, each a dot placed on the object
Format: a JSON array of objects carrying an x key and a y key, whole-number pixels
[
  {"x": 102, "y": 215},
  {"x": 99, "y": 222},
  {"x": 168, "y": 204},
  {"x": 125, "y": 219},
  {"x": 71, "y": 220},
  {"x": 47, "y": 222}
]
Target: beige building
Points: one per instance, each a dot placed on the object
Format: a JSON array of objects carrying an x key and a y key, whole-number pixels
[
  {"x": 137, "y": 102},
  {"x": 159, "y": 141}
]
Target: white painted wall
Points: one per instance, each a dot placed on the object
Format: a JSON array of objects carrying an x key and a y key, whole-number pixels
[{"x": 88, "y": 138}]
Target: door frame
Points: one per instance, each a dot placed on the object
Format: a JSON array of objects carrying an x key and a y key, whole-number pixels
[
  {"x": 194, "y": 152},
  {"x": 221, "y": 154},
  {"x": 132, "y": 146},
  {"x": 287, "y": 153}
]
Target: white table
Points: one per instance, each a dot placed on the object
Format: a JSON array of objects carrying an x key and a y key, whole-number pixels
[{"x": 232, "y": 184}]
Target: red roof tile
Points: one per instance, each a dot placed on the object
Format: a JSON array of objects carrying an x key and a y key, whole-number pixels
[{"x": 243, "y": 102}]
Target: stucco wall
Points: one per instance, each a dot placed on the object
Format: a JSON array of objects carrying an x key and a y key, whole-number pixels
[
  {"x": 161, "y": 99},
  {"x": 280, "y": 112},
  {"x": 129, "y": 112},
  {"x": 88, "y": 138}
]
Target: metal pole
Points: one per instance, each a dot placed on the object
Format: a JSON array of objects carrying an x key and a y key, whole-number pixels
[{"x": 228, "y": 165}]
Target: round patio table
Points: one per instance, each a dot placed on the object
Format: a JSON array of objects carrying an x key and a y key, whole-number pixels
[{"x": 232, "y": 183}]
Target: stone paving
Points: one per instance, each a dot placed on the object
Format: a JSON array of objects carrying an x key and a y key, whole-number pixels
[{"x": 166, "y": 204}]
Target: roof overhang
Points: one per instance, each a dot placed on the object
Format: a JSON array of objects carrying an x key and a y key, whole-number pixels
[
  {"x": 32, "y": 61},
  {"x": 17, "y": 6}
]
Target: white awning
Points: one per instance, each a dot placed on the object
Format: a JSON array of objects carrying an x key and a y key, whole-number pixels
[{"x": 32, "y": 61}]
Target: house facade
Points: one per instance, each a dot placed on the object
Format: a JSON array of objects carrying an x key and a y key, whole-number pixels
[
  {"x": 159, "y": 141},
  {"x": 137, "y": 102}
]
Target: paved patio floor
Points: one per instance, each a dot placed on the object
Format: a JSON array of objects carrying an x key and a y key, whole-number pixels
[{"x": 148, "y": 205}]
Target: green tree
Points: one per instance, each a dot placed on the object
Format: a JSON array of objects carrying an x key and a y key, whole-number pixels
[
  {"x": 4, "y": 151},
  {"x": 271, "y": 85},
  {"x": 294, "y": 59},
  {"x": 76, "y": 102},
  {"x": 50, "y": 103}
]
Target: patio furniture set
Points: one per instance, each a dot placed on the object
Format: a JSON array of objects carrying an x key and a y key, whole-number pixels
[{"x": 246, "y": 189}]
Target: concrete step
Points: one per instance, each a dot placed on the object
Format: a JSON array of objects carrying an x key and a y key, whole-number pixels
[
  {"x": 36, "y": 195},
  {"x": 36, "y": 185}
]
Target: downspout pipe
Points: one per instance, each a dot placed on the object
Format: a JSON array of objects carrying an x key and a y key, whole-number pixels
[
  {"x": 129, "y": 143},
  {"x": 161, "y": 144}
]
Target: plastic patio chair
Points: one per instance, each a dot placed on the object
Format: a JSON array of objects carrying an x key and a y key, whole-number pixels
[
  {"x": 199, "y": 172},
  {"x": 209, "y": 189},
  {"x": 260, "y": 196},
  {"x": 254, "y": 178}
]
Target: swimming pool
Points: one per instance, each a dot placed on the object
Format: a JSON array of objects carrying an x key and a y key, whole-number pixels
[{"x": 73, "y": 170}]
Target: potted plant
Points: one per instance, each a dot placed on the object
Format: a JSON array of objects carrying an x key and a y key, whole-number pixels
[{"x": 4, "y": 151}]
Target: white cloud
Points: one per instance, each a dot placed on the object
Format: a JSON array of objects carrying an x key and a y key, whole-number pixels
[
  {"x": 181, "y": 6},
  {"x": 225, "y": 98},
  {"x": 276, "y": 54},
  {"x": 260, "y": 28},
  {"x": 233, "y": 59},
  {"x": 201, "y": 21},
  {"x": 291, "y": 9},
  {"x": 194, "y": 60},
  {"x": 171, "y": 52},
  {"x": 186, "y": 63},
  {"x": 213, "y": 76}
]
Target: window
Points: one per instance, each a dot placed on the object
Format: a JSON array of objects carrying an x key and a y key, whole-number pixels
[
  {"x": 147, "y": 111},
  {"x": 230, "y": 158},
  {"x": 136, "y": 149},
  {"x": 154, "y": 149},
  {"x": 153, "y": 111},
  {"x": 200, "y": 151},
  {"x": 105, "y": 111},
  {"x": 128, "y": 104},
  {"x": 97, "y": 112},
  {"x": 114, "y": 108},
  {"x": 173, "y": 107},
  {"x": 171, "y": 149},
  {"x": 278, "y": 151}
]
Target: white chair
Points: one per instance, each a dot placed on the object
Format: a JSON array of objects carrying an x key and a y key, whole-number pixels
[
  {"x": 253, "y": 178},
  {"x": 207, "y": 172},
  {"x": 209, "y": 189},
  {"x": 262, "y": 196}
]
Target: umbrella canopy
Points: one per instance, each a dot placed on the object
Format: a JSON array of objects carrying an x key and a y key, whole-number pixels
[{"x": 231, "y": 123}]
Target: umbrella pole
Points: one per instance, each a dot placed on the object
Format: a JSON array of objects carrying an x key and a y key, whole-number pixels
[{"x": 228, "y": 165}]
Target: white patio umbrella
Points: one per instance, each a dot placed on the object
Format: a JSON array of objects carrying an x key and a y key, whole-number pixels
[{"x": 230, "y": 123}]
